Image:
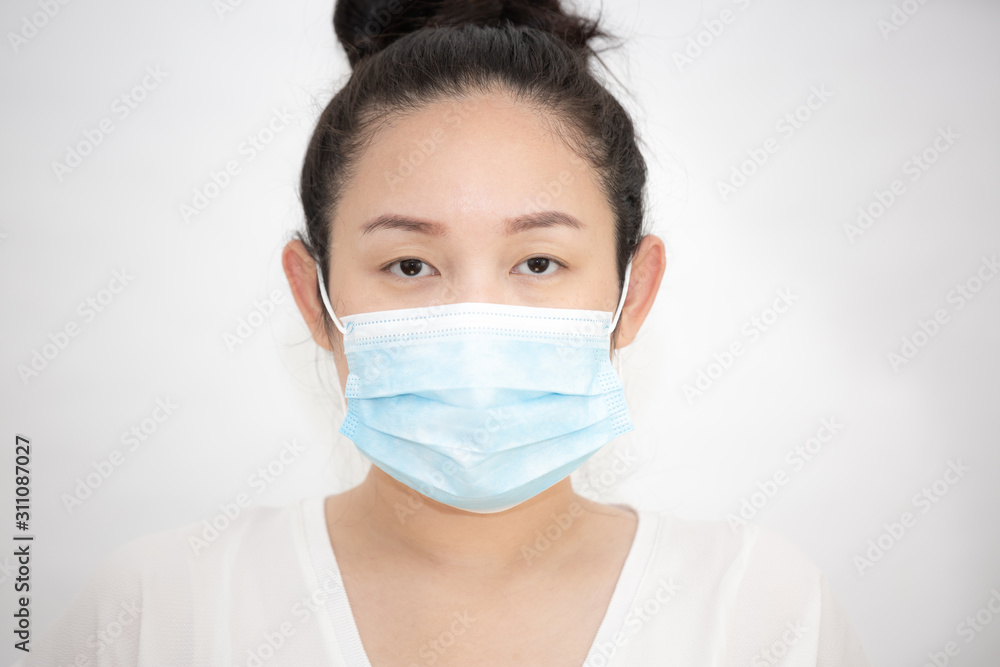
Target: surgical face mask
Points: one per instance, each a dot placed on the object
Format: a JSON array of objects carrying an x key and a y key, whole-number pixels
[{"x": 481, "y": 406}]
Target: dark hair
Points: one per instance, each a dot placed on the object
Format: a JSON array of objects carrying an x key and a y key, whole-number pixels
[{"x": 406, "y": 54}]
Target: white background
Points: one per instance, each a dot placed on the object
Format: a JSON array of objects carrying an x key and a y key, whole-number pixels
[{"x": 784, "y": 229}]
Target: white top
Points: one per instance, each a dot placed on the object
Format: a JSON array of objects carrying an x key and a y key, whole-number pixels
[{"x": 266, "y": 591}]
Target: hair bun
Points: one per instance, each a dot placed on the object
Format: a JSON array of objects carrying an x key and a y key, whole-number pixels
[{"x": 365, "y": 27}]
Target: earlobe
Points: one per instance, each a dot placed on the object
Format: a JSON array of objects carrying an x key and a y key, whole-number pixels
[
  {"x": 648, "y": 267},
  {"x": 300, "y": 270}
]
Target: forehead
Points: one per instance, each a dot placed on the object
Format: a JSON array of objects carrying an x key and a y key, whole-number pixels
[{"x": 480, "y": 158}]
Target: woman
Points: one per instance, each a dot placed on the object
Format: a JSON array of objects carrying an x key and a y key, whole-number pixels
[{"x": 474, "y": 255}]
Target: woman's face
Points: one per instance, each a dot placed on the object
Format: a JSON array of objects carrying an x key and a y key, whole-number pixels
[{"x": 472, "y": 200}]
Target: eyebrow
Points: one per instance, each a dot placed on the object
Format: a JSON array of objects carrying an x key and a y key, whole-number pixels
[
  {"x": 528, "y": 221},
  {"x": 514, "y": 225}
]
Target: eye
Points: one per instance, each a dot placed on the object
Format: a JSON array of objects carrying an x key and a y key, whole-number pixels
[
  {"x": 539, "y": 266},
  {"x": 410, "y": 268}
]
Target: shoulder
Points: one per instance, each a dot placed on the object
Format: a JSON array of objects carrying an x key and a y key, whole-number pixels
[
  {"x": 150, "y": 592},
  {"x": 232, "y": 532},
  {"x": 751, "y": 592},
  {"x": 737, "y": 564},
  {"x": 740, "y": 553}
]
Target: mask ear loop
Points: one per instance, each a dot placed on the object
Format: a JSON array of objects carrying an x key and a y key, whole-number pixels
[
  {"x": 616, "y": 358},
  {"x": 326, "y": 300},
  {"x": 621, "y": 301},
  {"x": 336, "y": 323}
]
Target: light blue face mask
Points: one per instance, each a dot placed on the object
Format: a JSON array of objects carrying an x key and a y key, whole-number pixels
[{"x": 481, "y": 406}]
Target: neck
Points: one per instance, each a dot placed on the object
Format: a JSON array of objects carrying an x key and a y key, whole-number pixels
[{"x": 544, "y": 528}]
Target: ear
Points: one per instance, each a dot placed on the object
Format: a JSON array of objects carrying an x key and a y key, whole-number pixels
[
  {"x": 300, "y": 270},
  {"x": 648, "y": 266}
]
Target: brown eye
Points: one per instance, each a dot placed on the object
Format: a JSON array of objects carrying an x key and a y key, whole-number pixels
[
  {"x": 411, "y": 268},
  {"x": 538, "y": 266}
]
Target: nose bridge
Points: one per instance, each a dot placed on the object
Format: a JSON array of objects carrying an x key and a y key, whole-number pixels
[{"x": 475, "y": 280}]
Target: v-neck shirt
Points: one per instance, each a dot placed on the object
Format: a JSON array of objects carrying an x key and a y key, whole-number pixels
[{"x": 263, "y": 588}]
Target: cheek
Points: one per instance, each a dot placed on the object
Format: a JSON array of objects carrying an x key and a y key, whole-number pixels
[{"x": 603, "y": 279}]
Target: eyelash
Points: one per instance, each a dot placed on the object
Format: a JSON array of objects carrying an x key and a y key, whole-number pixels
[{"x": 388, "y": 267}]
